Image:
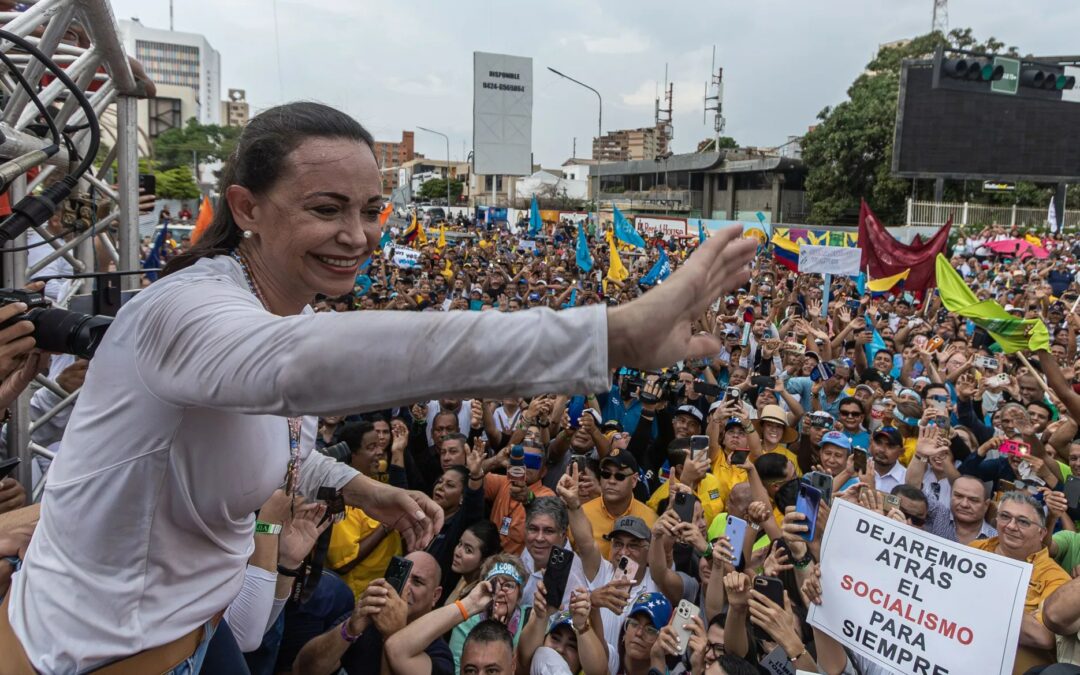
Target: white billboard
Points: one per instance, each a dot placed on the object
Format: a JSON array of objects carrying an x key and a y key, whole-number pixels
[{"x": 502, "y": 114}]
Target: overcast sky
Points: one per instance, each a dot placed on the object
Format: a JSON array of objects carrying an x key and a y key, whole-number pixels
[{"x": 396, "y": 64}]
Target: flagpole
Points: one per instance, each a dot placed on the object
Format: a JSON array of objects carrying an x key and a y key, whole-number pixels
[
  {"x": 1042, "y": 383},
  {"x": 825, "y": 295}
]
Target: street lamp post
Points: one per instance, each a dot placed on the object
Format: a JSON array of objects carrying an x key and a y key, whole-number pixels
[
  {"x": 447, "y": 139},
  {"x": 599, "y": 133}
]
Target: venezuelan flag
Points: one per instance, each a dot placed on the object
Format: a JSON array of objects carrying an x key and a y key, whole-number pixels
[
  {"x": 412, "y": 231},
  {"x": 786, "y": 252},
  {"x": 879, "y": 287}
]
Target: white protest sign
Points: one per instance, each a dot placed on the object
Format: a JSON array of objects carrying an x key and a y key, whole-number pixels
[
  {"x": 829, "y": 259},
  {"x": 660, "y": 226},
  {"x": 777, "y": 662},
  {"x": 403, "y": 256},
  {"x": 916, "y": 603}
]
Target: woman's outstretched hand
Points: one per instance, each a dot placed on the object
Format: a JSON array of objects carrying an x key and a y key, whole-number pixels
[{"x": 655, "y": 331}]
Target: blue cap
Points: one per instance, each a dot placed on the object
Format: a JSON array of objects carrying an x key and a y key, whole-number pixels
[
  {"x": 563, "y": 618},
  {"x": 837, "y": 438},
  {"x": 656, "y": 605}
]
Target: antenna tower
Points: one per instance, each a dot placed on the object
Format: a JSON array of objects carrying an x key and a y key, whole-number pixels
[
  {"x": 714, "y": 100},
  {"x": 941, "y": 17},
  {"x": 664, "y": 128}
]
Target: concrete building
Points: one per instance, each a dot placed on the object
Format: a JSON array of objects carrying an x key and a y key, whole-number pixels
[
  {"x": 628, "y": 144},
  {"x": 725, "y": 185},
  {"x": 419, "y": 170},
  {"x": 391, "y": 155},
  {"x": 186, "y": 70},
  {"x": 235, "y": 111},
  {"x": 577, "y": 169}
]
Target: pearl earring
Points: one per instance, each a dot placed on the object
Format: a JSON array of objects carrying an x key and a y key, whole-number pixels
[{"x": 248, "y": 234}]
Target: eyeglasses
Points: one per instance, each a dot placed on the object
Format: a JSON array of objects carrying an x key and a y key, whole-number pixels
[
  {"x": 850, "y": 413},
  {"x": 504, "y": 584},
  {"x": 713, "y": 652},
  {"x": 643, "y": 626},
  {"x": 618, "y": 545},
  {"x": 1020, "y": 521},
  {"x": 620, "y": 477}
]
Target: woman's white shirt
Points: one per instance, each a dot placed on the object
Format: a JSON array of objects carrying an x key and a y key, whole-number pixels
[{"x": 179, "y": 435}]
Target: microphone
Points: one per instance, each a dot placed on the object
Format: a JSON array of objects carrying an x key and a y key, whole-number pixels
[{"x": 11, "y": 170}]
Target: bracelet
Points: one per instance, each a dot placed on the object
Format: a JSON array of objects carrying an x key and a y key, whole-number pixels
[
  {"x": 267, "y": 528},
  {"x": 345, "y": 635},
  {"x": 461, "y": 608},
  {"x": 708, "y": 553},
  {"x": 584, "y": 629},
  {"x": 804, "y": 562},
  {"x": 545, "y": 425},
  {"x": 472, "y": 477},
  {"x": 755, "y": 527},
  {"x": 287, "y": 572},
  {"x": 798, "y": 656}
]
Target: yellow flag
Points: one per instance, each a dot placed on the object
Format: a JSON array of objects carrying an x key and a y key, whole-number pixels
[
  {"x": 886, "y": 283},
  {"x": 442, "y": 237},
  {"x": 616, "y": 270},
  {"x": 1033, "y": 240},
  {"x": 421, "y": 236},
  {"x": 448, "y": 271}
]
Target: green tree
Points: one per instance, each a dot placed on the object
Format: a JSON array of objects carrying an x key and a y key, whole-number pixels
[
  {"x": 849, "y": 154},
  {"x": 177, "y": 183},
  {"x": 208, "y": 142},
  {"x": 435, "y": 188}
]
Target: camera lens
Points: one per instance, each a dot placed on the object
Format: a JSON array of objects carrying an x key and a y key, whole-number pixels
[{"x": 61, "y": 331}]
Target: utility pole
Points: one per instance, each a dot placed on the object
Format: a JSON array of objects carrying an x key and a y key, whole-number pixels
[
  {"x": 664, "y": 127},
  {"x": 170, "y": 15}
]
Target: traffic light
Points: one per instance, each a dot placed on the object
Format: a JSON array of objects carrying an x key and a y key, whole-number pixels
[
  {"x": 969, "y": 68},
  {"x": 1050, "y": 79}
]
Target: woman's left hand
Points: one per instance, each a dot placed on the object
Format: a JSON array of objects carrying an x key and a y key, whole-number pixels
[{"x": 411, "y": 513}]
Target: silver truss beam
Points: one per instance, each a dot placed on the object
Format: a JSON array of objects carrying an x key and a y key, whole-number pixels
[{"x": 45, "y": 23}]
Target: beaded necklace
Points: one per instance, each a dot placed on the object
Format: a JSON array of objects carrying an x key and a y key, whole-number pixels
[{"x": 292, "y": 474}]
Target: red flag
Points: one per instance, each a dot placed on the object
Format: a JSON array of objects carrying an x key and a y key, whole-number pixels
[{"x": 885, "y": 256}]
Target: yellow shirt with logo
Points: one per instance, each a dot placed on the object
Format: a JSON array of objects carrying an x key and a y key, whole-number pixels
[
  {"x": 345, "y": 546},
  {"x": 711, "y": 492}
]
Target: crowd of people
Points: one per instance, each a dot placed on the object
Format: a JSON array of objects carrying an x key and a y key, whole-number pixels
[
  {"x": 641, "y": 482},
  {"x": 593, "y": 533}
]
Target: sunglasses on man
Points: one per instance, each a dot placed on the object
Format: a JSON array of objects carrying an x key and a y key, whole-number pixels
[{"x": 607, "y": 474}]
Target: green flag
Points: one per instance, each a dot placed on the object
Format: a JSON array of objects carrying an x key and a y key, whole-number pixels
[{"x": 1011, "y": 333}]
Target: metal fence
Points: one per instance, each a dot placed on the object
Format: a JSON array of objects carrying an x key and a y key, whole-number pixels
[{"x": 979, "y": 215}]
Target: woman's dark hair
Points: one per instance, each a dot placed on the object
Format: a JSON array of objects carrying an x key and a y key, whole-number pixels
[
  {"x": 353, "y": 434},
  {"x": 259, "y": 160},
  {"x": 488, "y": 534}
]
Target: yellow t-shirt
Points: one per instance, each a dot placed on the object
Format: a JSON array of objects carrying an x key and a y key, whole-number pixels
[
  {"x": 727, "y": 475},
  {"x": 602, "y": 521},
  {"x": 909, "y": 450},
  {"x": 712, "y": 493},
  {"x": 345, "y": 545}
]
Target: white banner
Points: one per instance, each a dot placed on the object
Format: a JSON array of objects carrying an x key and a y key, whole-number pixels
[
  {"x": 829, "y": 259},
  {"x": 916, "y": 603},
  {"x": 502, "y": 114},
  {"x": 403, "y": 256},
  {"x": 663, "y": 227}
]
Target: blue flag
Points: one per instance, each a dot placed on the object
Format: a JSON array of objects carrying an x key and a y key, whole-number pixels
[
  {"x": 535, "y": 224},
  {"x": 153, "y": 259},
  {"x": 876, "y": 344},
  {"x": 385, "y": 240},
  {"x": 624, "y": 231},
  {"x": 660, "y": 271},
  {"x": 860, "y": 284},
  {"x": 701, "y": 231},
  {"x": 764, "y": 225},
  {"x": 584, "y": 257}
]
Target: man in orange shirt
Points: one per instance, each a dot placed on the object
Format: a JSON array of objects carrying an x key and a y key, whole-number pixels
[
  {"x": 618, "y": 477},
  {"x": 509, "y": 499}
]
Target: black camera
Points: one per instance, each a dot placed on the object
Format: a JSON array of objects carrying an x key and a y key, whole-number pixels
[
  {"x": 339, "y": 452},
  {"x": 57, "y": 330}
]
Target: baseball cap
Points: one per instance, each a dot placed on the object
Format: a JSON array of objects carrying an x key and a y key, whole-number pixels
[
  {"x": 611, "y": 426},
  {"x": 655, "y": 605},
  {"x": 891, "y": 435},
  {"x": 563, "y": 618},
  {"x": 691, "y": 411},
  {"x": 733, "y": 422},
  {"x": 622, "y": 458},
  {"x": 631, "y": 525},
  {"x": 838, "y": 439}
]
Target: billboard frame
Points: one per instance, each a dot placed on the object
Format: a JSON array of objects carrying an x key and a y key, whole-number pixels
[{"x": 979, "y": 176}]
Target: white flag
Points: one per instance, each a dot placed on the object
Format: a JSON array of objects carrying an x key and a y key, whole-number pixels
[{"x": 1051, "y": 217}]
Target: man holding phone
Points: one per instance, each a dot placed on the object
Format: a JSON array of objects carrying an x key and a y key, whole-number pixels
[{"x": 355, "y": 644}]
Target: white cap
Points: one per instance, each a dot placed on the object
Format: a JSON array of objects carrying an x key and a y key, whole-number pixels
[{"x": 547, "y": 661}]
